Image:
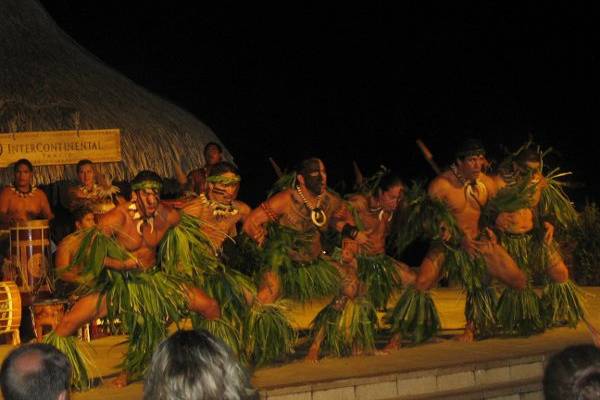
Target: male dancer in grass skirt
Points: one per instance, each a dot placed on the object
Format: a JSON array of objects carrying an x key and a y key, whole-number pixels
[
  {"x": 217, "y": 213},
  {"x": 460, "y": 249},
  {"x": 128, "y": 282},
  {"x": 288, "y": 227},
  {"x": 523, "y": 214},
  {"x": 373, "y": 213}
]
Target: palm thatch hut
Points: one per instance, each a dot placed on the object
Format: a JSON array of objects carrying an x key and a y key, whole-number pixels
[{"x": 49, "y": 82}]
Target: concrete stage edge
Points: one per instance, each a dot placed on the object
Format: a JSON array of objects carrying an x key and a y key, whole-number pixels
[{"x": 494, "y": 368}]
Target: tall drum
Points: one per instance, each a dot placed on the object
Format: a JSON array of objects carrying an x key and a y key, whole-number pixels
[
  {"x": 30, "y": 256},
  {"x": 10, "y": 310}
]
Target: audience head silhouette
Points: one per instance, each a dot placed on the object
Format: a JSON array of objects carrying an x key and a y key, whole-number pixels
[
  {"x": 35, "y": 371},
  {"x": 196, "y": 365}
]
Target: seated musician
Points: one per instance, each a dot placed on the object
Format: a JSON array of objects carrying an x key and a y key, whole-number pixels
[
  {"x": 22, "y": 201},
  {"x": 195, "y": 181},
  {"x": 92, "y": 190}
]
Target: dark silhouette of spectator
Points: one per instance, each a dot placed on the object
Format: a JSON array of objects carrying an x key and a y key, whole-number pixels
[
  {"x": 193, "y": 365},
  {"x": 35, "y": 371},
  {"x": 573, "y": 374}
]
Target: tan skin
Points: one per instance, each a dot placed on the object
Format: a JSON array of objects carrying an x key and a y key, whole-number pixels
[
  {"x": 218, "y": 229},
  {"x": 68, "y": 247},
  {"x": 288, "y": 208},
  {"x": 350, "y": 288},
  {"x": 15, "y": 209},
  {"x": 377, "y": 230},
  {"x": 522, "y": 221},
  {"x": 466, "y": 209},
  {"x": 119, "y": 223},
  {"x": 86, "y": 175}
]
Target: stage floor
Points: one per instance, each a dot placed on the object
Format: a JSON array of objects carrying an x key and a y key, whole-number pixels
[{"x": 297, "y": 376}]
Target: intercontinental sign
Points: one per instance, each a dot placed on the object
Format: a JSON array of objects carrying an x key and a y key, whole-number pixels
[{"x": 60, "y": 147}]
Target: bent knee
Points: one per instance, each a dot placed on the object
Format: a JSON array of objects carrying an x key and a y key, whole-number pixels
[
  {"x": 424, "y": 282},
  {"x": 211, "y": 311},
  {"x": 519, "y": 281},
  {"x": 408, "y": 278},
  {"x": 559, "y": 273},
  {"x": 214, "y": 311}
]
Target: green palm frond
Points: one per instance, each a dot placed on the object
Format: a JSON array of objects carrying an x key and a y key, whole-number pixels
[
  {"x": 480, "y": 310},
  {"x": 519, "y": 312},
  {"x": 350, "y": 328},
  {"x": 414, "y": 316},
  {"x": 508, "y": 199},
  {"x": 79, "y": 355},
  {"x": 268, "y": 334},
  {"x": 562, "y": 303},
  {"x": 301, "y": 281},
  {"x": 380, "y": 276},
  {"x": 555, "y": 205},
  {"x": 421, "y": 217}
]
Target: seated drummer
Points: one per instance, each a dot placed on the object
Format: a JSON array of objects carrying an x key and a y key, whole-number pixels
[
  {"x": 68, "y": 279},
  {"x": 22, "y": 201}
]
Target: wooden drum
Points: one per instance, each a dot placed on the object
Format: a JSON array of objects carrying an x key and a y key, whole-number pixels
[
  {"x": 10, "y": 310},
  {"x": 47, "y": 314},
  {"x": 30, "y": 256}
]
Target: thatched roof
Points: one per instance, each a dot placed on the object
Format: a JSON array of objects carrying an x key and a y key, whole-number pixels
[{"x": 48, "y": 81}]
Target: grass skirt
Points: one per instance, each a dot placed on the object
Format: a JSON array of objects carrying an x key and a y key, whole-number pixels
[
  {"x": 268, "y": 334},
  {"x": 380, "y": 276},
  {"x": 78, "y": 356},
  {"x": 480, "y": 309},
  {"x": 562, "y": 304},
  {"x": 414, "y": 316},
  {"x": 519, "y": 312},
  {"x": 347, "y": 327}
]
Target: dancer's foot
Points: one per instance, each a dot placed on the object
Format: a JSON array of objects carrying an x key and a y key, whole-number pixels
[
  {"x": 394, "y": 344},
  {"x": 312, "y": 356},
  {"x": 468, "y": 336},
  {"x": 120, "y": 381}
]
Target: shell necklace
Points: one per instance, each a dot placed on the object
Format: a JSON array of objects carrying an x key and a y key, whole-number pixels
[{"x": 317, "y": 215}]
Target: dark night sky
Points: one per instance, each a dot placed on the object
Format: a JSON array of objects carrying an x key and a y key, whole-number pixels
[{"x": 293, "y": 80}]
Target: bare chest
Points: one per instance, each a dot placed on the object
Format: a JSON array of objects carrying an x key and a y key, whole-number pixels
[
  {"x": 138, "y": 235},
  {"x": 466, "y": 200},
  {"x": 300, "y": 217},
  {"x": 217, "y": 227},
  {"x": 27, "y": 206},
  {"x": 376, "y": 222}
]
